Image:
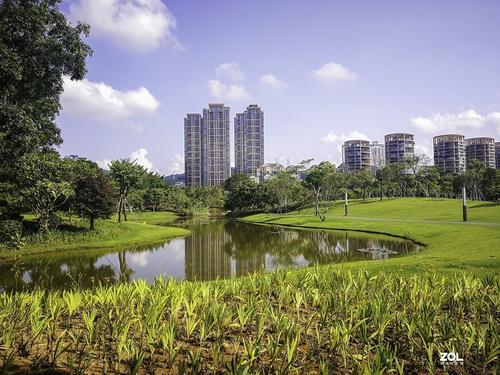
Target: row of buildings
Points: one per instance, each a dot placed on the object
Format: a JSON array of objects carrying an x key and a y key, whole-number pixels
[
  {"x": 452, "y": 152},
  {"x": 207, "y": 155}
]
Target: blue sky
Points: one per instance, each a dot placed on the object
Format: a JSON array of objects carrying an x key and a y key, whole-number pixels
[{"x": 323, "y": 72}]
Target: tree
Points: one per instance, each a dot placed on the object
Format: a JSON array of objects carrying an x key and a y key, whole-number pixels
[
  {"x": 285, "y": 189},
  {"x": 244, "y": 194},
  {"x": 45, "y": 185},
  {"x": 38, "y": 46},
  {"x": 93, "y": 197},
  {"x": 127, "y": 175},
  {"x": 319, "y": 181}
]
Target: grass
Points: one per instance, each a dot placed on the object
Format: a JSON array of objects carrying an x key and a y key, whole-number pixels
[
  {"x": 140, "y": 230},
  {"x": 451, "y": 246},
  {"x": 317, "y": 321}
]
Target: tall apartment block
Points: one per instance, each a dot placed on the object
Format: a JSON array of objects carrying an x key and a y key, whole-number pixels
[
  {"x": 216, "y": 159},
  {"x": 378, "y": 155},
  {"x": 482, "y": 149},
  {"x": 497, "y": 154},
  {"x": 206, "y": 146},
  {"x": 249, "y": 141},
  {"x": 449, "y": 153},
  {"x": 399, "y": 146},
  {"x": 192, "y": 149},
  {"x": 356, "y": 155}
]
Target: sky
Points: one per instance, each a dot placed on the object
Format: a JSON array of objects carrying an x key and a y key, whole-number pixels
[{"x": 322, "y": 71}]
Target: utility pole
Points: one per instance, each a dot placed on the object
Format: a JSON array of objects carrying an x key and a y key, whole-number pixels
[
  {"x": 345, "y": 204},
  {"x": 464, "y": 203}
]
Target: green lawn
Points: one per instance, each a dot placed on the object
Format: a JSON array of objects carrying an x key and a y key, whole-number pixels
[
  {"x": 450, "y": 244},
  {"x": 141, "y": 229}
]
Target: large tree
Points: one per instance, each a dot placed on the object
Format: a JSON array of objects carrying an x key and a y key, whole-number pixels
[
  {"x": 127, "y": 175},
  {"x": 93, "y": 198},
  {"x": 319, "y": 180},
  {"x": 38, "y": 47}
]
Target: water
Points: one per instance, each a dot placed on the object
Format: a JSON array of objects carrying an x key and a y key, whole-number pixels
[{"x": 215, "y": 249}]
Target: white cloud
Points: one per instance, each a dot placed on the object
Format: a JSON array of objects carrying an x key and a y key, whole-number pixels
[
  {"x": 227, "y": 84},
  {"x": 231, "y": 92},
  {"x": 337, "y": 140},
  {"x": 332, "y": 137},
  {"x": 332, "y": 72},
  {"x": 421, "y": 149},
  {"x": 270, "y": 80},
  {"x": 101, "y": 102},
  {"x": 104, "y": 164},
  {"x": 458, "y": 122},
  {"x": 139, "y": 156},
  {"x": 141, "y": 25},
  {"x": 176, "y": 164},
  {"x": 229, "y": 72}
]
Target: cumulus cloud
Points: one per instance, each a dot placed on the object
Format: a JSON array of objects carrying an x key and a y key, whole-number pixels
[
  {"x": 101, "y": 102},
  {"x": 176, "y": 164},
  {"x": 270, "y": 80},
  {"x": 231, "y": 91},
  {"x": 458, "y": 122},
  {"x": 229, "y": 72},
  {"x": 227, "y": 83},
  {"x": 332, "y": 72},
  {"x": 337, "y": 140},
  {"x": 140, "y": 25},
  {"x": 140, "y": 156}
]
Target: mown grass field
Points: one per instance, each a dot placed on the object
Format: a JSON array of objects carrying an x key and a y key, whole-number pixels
[
  {"x": 451, "y": 245},
  {"x": 141, "y": 229}
]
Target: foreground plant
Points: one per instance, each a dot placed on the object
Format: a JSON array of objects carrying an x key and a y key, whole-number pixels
[{"x": 316, "y": 320}]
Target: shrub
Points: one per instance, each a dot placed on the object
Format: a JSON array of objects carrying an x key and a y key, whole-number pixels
[{"x": 11, "y": 233}]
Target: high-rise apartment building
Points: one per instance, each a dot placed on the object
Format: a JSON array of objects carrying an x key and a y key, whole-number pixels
[
  {"x": 216, "y": 159},
  {"x": 399, "y": 146},
  {"x": 192, "y": 149},
  {"x": 356, "y": 155},
  {"x": 449, "y": 153},
  {"x": 497, "y": 154},
  {"x": 206, "y": 146},
  {"x": 249, "y": 141},
  {"x": 482, "y": 149},
  {"x": 378, "y": 155}
]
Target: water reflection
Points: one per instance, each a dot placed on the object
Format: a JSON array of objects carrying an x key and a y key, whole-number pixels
[{"x": 216, "y": 249}]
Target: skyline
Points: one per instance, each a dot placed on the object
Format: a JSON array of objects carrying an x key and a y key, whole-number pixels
[{"x": 323, "y": 73}]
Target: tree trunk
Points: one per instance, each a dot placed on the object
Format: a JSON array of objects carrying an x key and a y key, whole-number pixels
[{"x": 92, "y": 222}]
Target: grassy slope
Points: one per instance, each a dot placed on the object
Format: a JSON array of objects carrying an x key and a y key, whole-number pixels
[
  {"x": 451, "y": 244},
  {"x": 138, "y": 231}
]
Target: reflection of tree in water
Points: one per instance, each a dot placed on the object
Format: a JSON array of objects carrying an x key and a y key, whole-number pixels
[{"x": 56, "y": 272}]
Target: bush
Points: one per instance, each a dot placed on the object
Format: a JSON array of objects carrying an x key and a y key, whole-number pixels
[{"x": 11, "y": 233}]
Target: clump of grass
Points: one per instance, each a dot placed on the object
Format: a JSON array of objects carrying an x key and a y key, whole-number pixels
[{"x": 319, "y": 320}]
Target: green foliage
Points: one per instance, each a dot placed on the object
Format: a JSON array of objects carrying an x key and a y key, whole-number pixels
[
  {"x": 11, "y": 232},
  {"x": 313, "y": 320},
  {"x": 93, "y": 197},
  {"x": 243, "y": 194},
  {"x": 38, "y": 46},
  {"x": 45, "y": 186}
]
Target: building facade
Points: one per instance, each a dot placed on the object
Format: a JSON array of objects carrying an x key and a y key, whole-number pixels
[
  {"x": 449, "y": 153},
  {"x": 216, "y": 158},
  {"x": 192, "y": 149},
  {"x": 378, "y": 155},
  {"x": 356, "y": 155},
  {"x": 399, "y": 146},
  {"x": 207, "y": 159},
  {"x": 268, "y": 170},
  {"x": 482, "y": 149},
  {"x": 249, "y": 141},
  {"x": 497, "y": 154}
]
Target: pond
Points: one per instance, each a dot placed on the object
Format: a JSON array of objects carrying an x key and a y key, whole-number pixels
[{"x": 216, "y": 248}]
